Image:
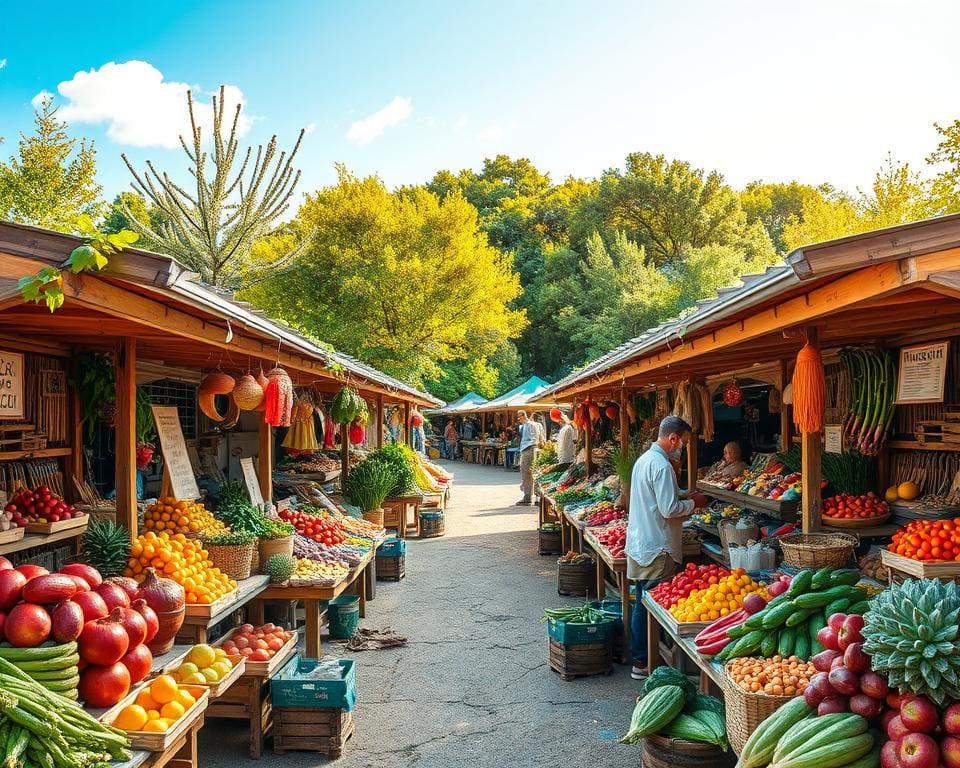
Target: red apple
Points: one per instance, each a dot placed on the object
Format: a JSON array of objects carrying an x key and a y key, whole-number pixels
[
  {"x": 863, "y": 705},
  {"x": 873, "y": 684},
  {"x": 893, "y": 700},
  {"x": 890, "y": 755},
  {"x": 855, "y": 659},
  {"x": 951, "y": 720},
  {"x": 896, "y": 730},
  {"x": 887, "y": 717},
  {"x": 824, "y": 659},
  {"x": 5, "y": 565},
  {"x": 919, "y": 715},
  {"x": 833, "y": 705},
  {"x": 950, "y": 751},
  {"x": 850, "y": 632},
  {"x": 844, "y": 681},
  {"x": 836, "y": 621},
  {"x": 828, "y": 638},
  {"x": 917, "y": 750},
  {"x": 837, "y": 663}
]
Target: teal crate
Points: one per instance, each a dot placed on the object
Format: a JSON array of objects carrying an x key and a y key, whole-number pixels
[
  {"x": 290, "y": 689},
  {"x": 392, "y": 547},
  {"x": 432, "y": 516},
  {"x": 570, "y": 633}
]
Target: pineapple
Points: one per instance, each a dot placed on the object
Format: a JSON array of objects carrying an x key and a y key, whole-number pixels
[{"x": 106, "y": 546}]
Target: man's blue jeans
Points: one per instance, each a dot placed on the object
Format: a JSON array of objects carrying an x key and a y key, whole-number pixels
[{"x": 638, "y": 624}]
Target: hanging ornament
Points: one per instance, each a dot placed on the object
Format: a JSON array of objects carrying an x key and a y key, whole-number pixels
[
  {"x": 278, "y": 398},
  {"x": 612, "y": 411},
  {"x": 216, "y": 383},
  {"x": 248, "y": 394},
  {"x": 732, "y": 395},
  {"x": 556, "y": 415},
  {"x": 594, "y": 411},
  {"x": 809, "y": 391},
  {"x": 356, "y": 433},
  {"x": 262, "y": 381}
]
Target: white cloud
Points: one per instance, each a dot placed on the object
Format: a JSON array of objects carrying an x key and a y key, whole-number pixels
[
  {"x": 461, "y": 123},
  {"x": 366, "y": 130},
  {"x": 37, "y": 101},
  {"x": 3, "y": 63},
  {"x": 141, "y": 109},
  {"x": 310, "y": 128},
  {"x": 491, "y": 133}
]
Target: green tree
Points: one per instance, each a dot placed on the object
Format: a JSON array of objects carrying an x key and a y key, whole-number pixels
[
  {"x": 403, "y": 280},
  {"x": 773, "y": 205},
  {"x": 117, "y": 219},
  {"x": 946, "y": 185},
  {"x": 50, "y": 182}
]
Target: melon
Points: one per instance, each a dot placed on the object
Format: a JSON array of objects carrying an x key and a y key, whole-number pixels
[
  {"x": 908, "y": 491},
  {"x": 891, "y": 495}
]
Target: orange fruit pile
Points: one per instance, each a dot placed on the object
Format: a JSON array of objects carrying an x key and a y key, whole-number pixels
[
  {"x": 157, "y": 707},
  {"x": 181, "y": 559},
  {"x": 934, "y": 540},
  {"x": 174, "y": 516}
]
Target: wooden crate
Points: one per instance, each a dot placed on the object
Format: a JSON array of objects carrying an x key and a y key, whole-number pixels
[
  {"x": 12, "y": 535},
  {"x": 391, "y": 568},
  {"x": 200, "y": 611},
  {"x": 265, "y": 668},
  {"x": 681, "y": 628},
  {"x": 311, "y": 730},
  {"x": 220, "y": 687},
  {"x": 582, "y": 660},
  {"x": 577, "y": 580},
  {"x": 905, "y": 567},
  {"x": 549, "y": 542},
  {"x": 247, "y": 699},
  {"x": 160, "y": 742},
  {"x": 60, "y": 525}
]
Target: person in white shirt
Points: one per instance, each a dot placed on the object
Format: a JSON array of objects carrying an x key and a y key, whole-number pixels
[
  {"x": 566, "y": 437},
  {"x": 529, "y": 439},
  {"x": 655, "y": 525}
]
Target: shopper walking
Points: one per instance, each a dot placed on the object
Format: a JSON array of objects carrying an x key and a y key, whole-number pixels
[
  {"x": 529, "y": 438},
  {"x": 655, "y": 525},
  {"x": 450, "y": 440},
  {"x": 566, "y": 437}
]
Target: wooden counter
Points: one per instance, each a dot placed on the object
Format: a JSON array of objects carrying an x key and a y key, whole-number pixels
[{"x": 194, "y": 629}]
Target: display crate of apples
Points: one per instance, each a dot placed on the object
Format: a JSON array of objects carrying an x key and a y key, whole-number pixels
[
  {"x": 265, "y": 648},
  {"x": 40, "y": 511},
  {"x": 847, "y": 511},
  {"x": 611, "y": 537}
]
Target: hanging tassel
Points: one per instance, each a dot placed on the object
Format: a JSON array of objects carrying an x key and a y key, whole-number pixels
[
  {"x": 278, "y": 398},
  {"x": 809, "y": 391}
]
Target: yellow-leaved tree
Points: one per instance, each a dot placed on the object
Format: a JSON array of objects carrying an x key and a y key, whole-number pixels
[{"x": 402, "y": 280}]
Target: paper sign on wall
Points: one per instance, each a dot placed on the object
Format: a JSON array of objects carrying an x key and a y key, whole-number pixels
[
  {"x": 251, "y": 481},
  {"x": 11, "y": 385},
  {"x": 175, "y": 457},
  {"x": 922, "y": 374},
  {"x": 833, "y": 438}
]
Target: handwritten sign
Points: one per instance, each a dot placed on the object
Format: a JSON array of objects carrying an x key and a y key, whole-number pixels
[
  {"x": 251, "y": 481},
  {"x": 11, "y": 385},
  {"x": 833, "y": 438},
  {"x": 176, "y": 459},
  {"x": 922, "y": 374}
]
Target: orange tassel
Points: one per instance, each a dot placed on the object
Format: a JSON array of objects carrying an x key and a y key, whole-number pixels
[{"x": 809, "y": 391}]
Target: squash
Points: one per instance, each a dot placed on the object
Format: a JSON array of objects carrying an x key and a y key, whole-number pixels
[
  {"x": 761, "y": 744},
  {"x": 908, "y": 491},
  {"x": 827, "y": 743},
  {"x": 653, "y": 712}
]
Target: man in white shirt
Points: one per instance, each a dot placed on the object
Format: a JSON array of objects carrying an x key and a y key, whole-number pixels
[
  {"x": 529, "y": 439},
  {"x": 566, "y": 438},
  {"x": 655, "y": 525}
]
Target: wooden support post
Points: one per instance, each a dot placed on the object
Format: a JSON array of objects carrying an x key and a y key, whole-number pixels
[
  {"x": 785, "y": 432},
  {"x": 693, "y": 461},
  {"x": 407, "y": 432},
  {"x": 483, "y": 424},
  {"x": 588, "y": 446},
  {"x": 380, "y": 421},
  {"x": 126, "y": 433},
  {"x": 344, "y": 453},
  {"x": 265, "y": 459},
  {"x": 624, "y": 446},
  {"x": 811, "y": 448},
  {"x": 75, "y": 436}
]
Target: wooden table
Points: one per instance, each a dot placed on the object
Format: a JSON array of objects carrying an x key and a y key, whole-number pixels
[
  {"x": 571, "y": 532},
  {"x": 194, "y": 629},
  {"x": 548, "y": 509},
  {"x": 181, "y": 754},
  {"x": 398, "y": 506},
  {"x": 710, "y": 673},
  {"x": 617, "y": 567},
  {"x": 311, "y": 597}
]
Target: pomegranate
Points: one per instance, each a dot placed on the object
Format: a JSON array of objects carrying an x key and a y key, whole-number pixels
[
  {"x": 103, "y": 641},
  {"x": 149, "y": 616},
  {"x": 92, "y": 605},
  {"x": 5, "y": 565},
  {"x": 67, "y": 621},
  {"x": 104, "y": 686},
  {"x": 133, "y": 623},
  {"x": 27, "y": 625},
  {"x": 113, "y": 595},
  {"x": 12, "y": 583},
  {"x": 3, "y": 620},
  {"x": 138, "y": 661},
  {"x": 82, "y": 585},
  {"x": 86, "y": 572},
  {"x": 127, "y": 584},
  {"x": 163, "y": 595},
  {"x": 49, "y": 589},
  {"x": 31, "y": 571}
]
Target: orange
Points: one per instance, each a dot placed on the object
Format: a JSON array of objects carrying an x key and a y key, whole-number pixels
[
  {"x": 131, "y": 718},
  {"x": 157, "y": 726},
  {"x": 185, "y": 699},
  {"x": 145, "y": 700},
  {"x": 164, "y": 689},
  {"x": 172, "y": 710}
]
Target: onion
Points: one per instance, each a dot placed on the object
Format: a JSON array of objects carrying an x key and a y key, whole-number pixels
[{"x": 163, "y": 595}]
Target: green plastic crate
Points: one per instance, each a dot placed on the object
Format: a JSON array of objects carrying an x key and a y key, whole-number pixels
[
  {"x": 290, "y": 689},
  {"x": 570, "y": 633}
]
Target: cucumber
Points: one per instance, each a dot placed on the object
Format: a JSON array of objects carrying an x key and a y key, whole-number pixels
[
  {"x": 768, "y": 646},
  {"x": 721, "y": 657},
  {"x": 801, "y": 648},
  {"x": 747, "y": 645},
  {"x": 738, "y": 631},
  {"x": 824, "y": 597},
  {"x": 805, "y": 729},
  {"x": 837, "y": 606},
  {"x": 849, "y": 578},
  {"x": 821, "y": 578},
  {"x": 861, "y": 608},
  {"x": 869, "y": 760},
  {"x": 70, "y": 684},
  {"x": 788, "y": 636},
  {"x": 42, "y": 676},
  {"x": 40, "y": 653},
  {"x": 775, "y": 617},
  {"x": 756, "y": 621},
  {"x": 799, "y": 616},
  {"x": 66, "y": 662},
  {"x": 817, "y": 622},
  {"x": 758, "y": 750},
  {"x": 799, "y": 583}
]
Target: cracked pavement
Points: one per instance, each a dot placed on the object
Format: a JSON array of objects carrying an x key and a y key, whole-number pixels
[{"x": 473, "y": 687}]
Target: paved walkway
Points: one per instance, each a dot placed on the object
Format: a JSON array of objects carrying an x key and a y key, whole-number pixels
[{"x": 472, "y": 687}]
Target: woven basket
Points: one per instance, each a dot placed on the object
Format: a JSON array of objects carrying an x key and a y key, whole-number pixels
[
  {"x": 374, "y": 516},
  {"x": 818, "y": 550},
  {"x": 745, "y": 711},
  {"x": 663, "y": 752},
  {"x": 281, "y": 546},
  {"x": 234, "y": 560}
]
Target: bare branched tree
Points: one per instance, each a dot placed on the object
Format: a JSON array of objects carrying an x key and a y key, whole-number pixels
[{"x": 213, "y": 231}]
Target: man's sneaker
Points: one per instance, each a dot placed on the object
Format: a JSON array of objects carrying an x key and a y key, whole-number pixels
[
  {"x": 639, "y": 672},
  {"x": 524, "y": 502}
]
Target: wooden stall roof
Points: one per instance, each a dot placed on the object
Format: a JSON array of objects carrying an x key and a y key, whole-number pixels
[
  {"x": 177, "y": 320},
  {"x": 897, "y": 285}
]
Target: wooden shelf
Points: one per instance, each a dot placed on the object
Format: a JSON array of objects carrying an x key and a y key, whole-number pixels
[
  {"x": 785, "y": 511},
  {"x": 46, "y": 453},
  {"x": 40, "y": 540},
  {"x": 913, "y": 445}
]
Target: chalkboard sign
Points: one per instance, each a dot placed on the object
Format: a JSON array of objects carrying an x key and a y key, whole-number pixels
[
  {"x": 176, "y": 460},
  {"x": 251, "y": 481},
  {"x": 11, "y": 385}
]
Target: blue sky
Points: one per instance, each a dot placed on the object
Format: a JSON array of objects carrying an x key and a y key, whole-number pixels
[{"x": 814, "y": 91}]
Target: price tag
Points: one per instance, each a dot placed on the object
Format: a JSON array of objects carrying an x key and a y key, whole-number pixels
[
  {"x": 176, "y": 459},
  {"x": 251, "y": 481}
]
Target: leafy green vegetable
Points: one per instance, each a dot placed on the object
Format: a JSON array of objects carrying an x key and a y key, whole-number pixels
[{"x": 398, "y": 463}]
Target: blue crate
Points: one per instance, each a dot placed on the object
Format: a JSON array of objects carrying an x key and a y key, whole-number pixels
[
  {"x": 431, "y": 516},
  {"x": 392, "y": 547},
  {"x": 289, "y": 689},
  {"x": 570, "y": 633}
]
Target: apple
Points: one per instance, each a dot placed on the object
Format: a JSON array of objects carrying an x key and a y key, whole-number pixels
[
  {"x": 820, "y": 684},
  {"x": 887, "y": 717},
  {"x": 856, "y": 660},
  {"x": 833, "y": 705},
  {"x": 835, "y": 622},
  {"x": 919, "y": 715},
  {"x": 823, "y": 660},
  {"x": 837, "y": 663},
  {"x": 896, "y": 730},
  {"x": 917, "y": 750},
  {"x": 890, "y": 755},
  {"x": 893, "y": 700},
  {"x": 850, "y": 632},
  {"x": 828, "y": 638},
  {"x": 951, "y": 720},
  {"x": 844, "y": 681},
  {"x": 873, "y": 684},
  {"x": 865, "y": 706},
  {"x": 950, "y": 751}
]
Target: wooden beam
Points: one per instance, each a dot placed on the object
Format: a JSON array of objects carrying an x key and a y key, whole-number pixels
[
  {"x": 344, "y": 453},
  {"x": 624, "y": 445},
  {"x": 588, "y": 445},
  {"x": 693, "y": 460},
  {"x": 785, "y": 428},
  {"x": 125, "y": 433},
  {"x": 380, "y": 421},
  {"x": 265, "y": 459},
  {"x": 75, "y": 436},
  {"x": 811, "y": 449}
]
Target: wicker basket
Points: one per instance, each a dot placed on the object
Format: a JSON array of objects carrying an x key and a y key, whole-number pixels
[
  {"x": 663, "y": 752},
  {"x": 576, "y": 579},
  {"x": 374, "y": 516},
  {"x": 281, "y": 546},
  {"x": 818, "y": 550},
  {"x": 745, "y": 711},
  {"x": 234, "y": 559}
]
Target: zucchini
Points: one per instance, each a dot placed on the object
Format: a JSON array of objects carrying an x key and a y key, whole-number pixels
[
  {"x": 799, "y": 583},
  {"x": 747, "y": 645},
  {"x": 816, "y": 622},
  {"x": 799, "y": 616},
  {"x": 835, "y": 754},
  {"x": 761, "y": 744},
  {"x": 653, "y": 712},
  {"x": 721, "y": 657},
  {"x": 802, "y": 739},
  {"x": 837, "y": 606},
  {"x": 689, "y": 728},
  {"x": 803, "y": 730},
  {"x": 777, "y": 616},
  {"x": 850, "y": 578},
  {"x": 824, "y": 597},
  {"x": 860, "y": 608},
  {"x": 756, "y": 621},
  {"x": 821, "y": 578},
  {"x": 788, "y": 636},
  {"x": 801, "y": 647},
  {"x": 768, "y": 646},
  {"x": 738, "y": 631}
]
